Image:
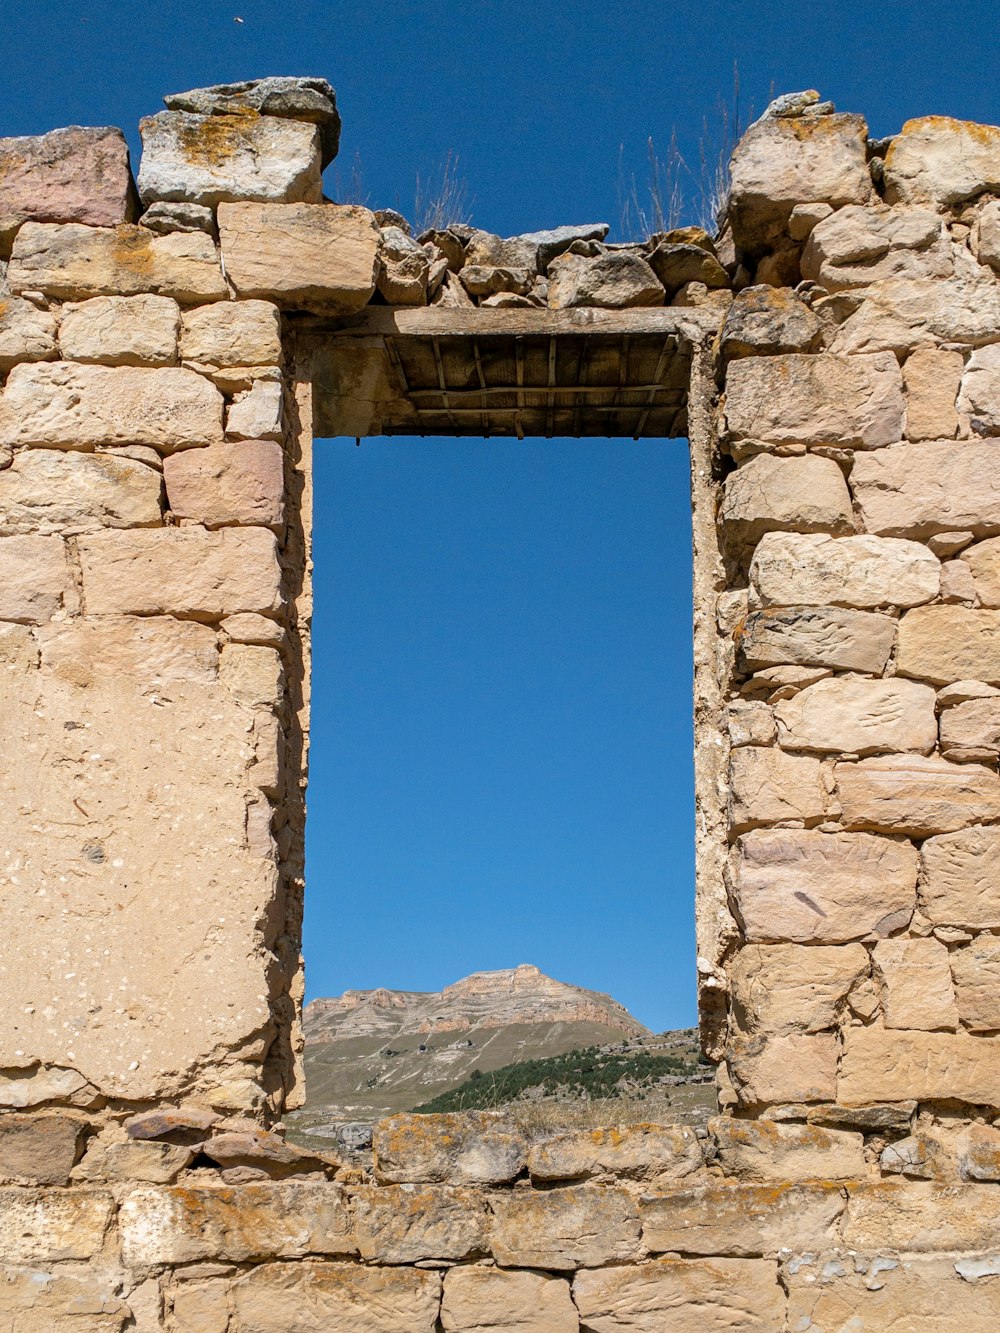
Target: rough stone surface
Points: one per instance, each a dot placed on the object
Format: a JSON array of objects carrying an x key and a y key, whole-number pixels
[
  {"x": 478, "y": 1300},
  {"x": 46, "y": 1225},
  {"x": 980, "y": 387},
  {"x": 922, "y": 1217},
  {"x": 939, "y": 160},
  {"x": 77, "y": 174},
  {"x": 257, "y": 414},
  {"x": 822, "y": 636},
  {"x": 402, "y": 1224},
  {"x": 34, "y": 1300},
  {"x": 768, "y": 494},
  {"x": 983, "y": 560},
  {"x": 915, "y": 981},
  {"x": 971, "y": 730},
  {"x": 467, "y": 1147},
  {"x": 759, "y": 1150},
  {"x": 26, "y": 333},
  {"x": 38, "y": 1150},
  {"x": 932, "y": 378},
  {"x": 661, "y": 1152},
  {"x": 900, "y": 314},
  {"x": 152, "y": 650},
  {"x": 950, "y": 643},
  {"x": 859, "y": 716},
  {"x": 786, "y": 988},
  {"x": 49, "y": 491},
  {"x": 297, "y": 98},
  {"x": 976, "y": 972},
  {"x": 959, "y": 873},
  {"x": 121, "y": 330},
  {"x": 882, "y": 1065},
  {"x": 564, "y": 1228},
  {"x": 241, "y": 482},
  {"x": 337, "y": 1298},
  {"x": 767, "y": 786},
  {"x": 858, "y": 246},
  {"x": 232, "y": 333},
  {"x": 765, "y": 321},
  {"x": 813, "y": 569},
  {"x": 795, "y": 1068},
  {"x": 916, "y": 795},
  {"x": 684, "y": 1295},
  {"x": 742, "y": 1221},
  {"x": 615, "y": 281},
  {"x": 35, "y": 578},
  {"x": 932, "y": 486}
]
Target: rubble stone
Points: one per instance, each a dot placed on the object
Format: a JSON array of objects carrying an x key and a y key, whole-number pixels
[
  {"x": 614, "y": 281},
  {"x": 232, "y": 333},
  {"x": 26, "y": 333},
  {"x": 778, "y": 989},
  {"x": 35, "y": 578},
  {"x": 932, "y": 486},
  {"x": 52, "y": 491},
  {"x": 582, "y": 1226},
  {"x": 403, "y": 1224},
  {"x": 855, "y": 247},
  {"x": 978, "y": 398},
  {"x": 768, "y": 321},
  {"x": 940, "y": 160},
  {"x": 899, "y": 314},
  {"x": 660, "y": 1152},
  {"x": 467, "y": 1148},
  {"x": 758, "y": 1150},
  {"x": 976, "y": 972},
  {"x": 795, "y": 1068},
  {"x": 971, "y": 730},
  {"x": 257, "y": 414},
  {"x": 39, "y": 1150},
  {"x": 307, "y": 99},
  {"x": 983, "y": 560},
  {"x": 767, "y": 786}
]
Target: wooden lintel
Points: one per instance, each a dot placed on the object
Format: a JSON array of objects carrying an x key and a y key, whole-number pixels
[{"x": 687, "y": 323}]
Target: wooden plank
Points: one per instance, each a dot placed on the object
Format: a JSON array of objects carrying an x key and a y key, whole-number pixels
[{"x": 432, "y": 321}]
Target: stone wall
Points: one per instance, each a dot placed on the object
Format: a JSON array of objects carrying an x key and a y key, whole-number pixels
[{"x": 155, "y": 432}]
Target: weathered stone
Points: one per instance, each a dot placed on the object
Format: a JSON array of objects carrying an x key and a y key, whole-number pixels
[
  {"x": 976, "y": 972},
  {"x": 337, "y": 1298},
  {"x": 859, "y": 716},
  {"x": 35, "y": 1301},
  {"x": 918, "y": 1157},
  {"x": 932, "y": 376},
  {"x": 34, "y": 1086},
  {"x": 253, "y": 675},
  {"x": 922, "y": 1217},
  {"x": 759, "y": 1150},
  {"x": 537, "y": 249},
  {"x": 485, "y": 280},
  {"x": 853, "y": 402},
  {"x": 35, "y": 578},
  {"x": 164, "y": 218},
  {"x": 750, "y": 723},
  {"x": 151, "y": 1163},
  {"x": 404, "y": 269},
  {"x": 311, "y": 255},
  {"x": 677, "y": 264},
  {"x": 221, "y": 159},
  {"x": 78, "y": 174},
  {"x": 269, "y": 1155},
  {"x": 615, "y": 281},
  {"x": 781, "y": 163},
  {"x": 785, "y": 988},
  {"x": 979, "y": 398},
  {"x": 67, "y": 406},
  {"x": 767, "y": 786},
  {"x": 72, "y": 262},
  {"x": 232, "y": 333},
  {"x": 466, "y": 1148},
  {"x": 823, "y": 636},
  {"x": 799, "y": 885},
  {"x": 986, "y": 235},
  {"x": 796, "y": 1068},
  {"x": 813, "y": 569},
  {"x": 915, "y": 982},
  {"x": 44, "y": 1226},
  {"x": 185, "y": 1124},
  {"x": 899, "y": 314},
  {"x": 241, "y": 482},
  {"x": 201, "y": 1307},
  {"x": 645, "y": 1152},
  {"x": 931, "y": 486},
  {"x": 916, "y": 795},
  {"x": 959, "y": 874},
  {"x": 26, "y": 333},
  {"x": 971, "y": 730},
  {"x": 151, "y": 650},
  {"x": 855, "y": 247},
  {"x": 584, "y": 1225},
  {"x": 979, "y": 1152},
  {"x": 181, "y": 571},
  {"x": 766, "y": 321},
  {"x": 48, "y": 491},
  {"x": 38, "y": 1149},
  {"x": 744, "y": 1221},
  {"x": 247, "y": 627},
  {"x": 961, "y": 691},
  {"x": 308, "y": 99},
  {"x": 121, "y": 330},
  {"x": 983, "y": 560},
  {"x": 880, "y": 1065},
  {"x": 766, "y": 494},
  {"x": 257, "y": 414},
  {"x": 478, "y": 1300},
  {"x": 804, "y": 217},
  {"x": 404, "y": 1224},
  {"x": 683, "y": 1295},
  {"x": 939, "y": 160}
]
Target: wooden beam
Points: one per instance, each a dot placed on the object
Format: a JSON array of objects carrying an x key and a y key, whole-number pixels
[{"x": 686, "y": 322}]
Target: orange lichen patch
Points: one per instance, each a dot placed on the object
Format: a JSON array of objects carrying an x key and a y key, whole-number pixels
[
  {"x": 132, "y": 251},
  {"x": 984, "y": 134},
  {"x": 805, "y": 128},
  {"x": 4, "y": 308},
  {"x": 214, "y": 140}
]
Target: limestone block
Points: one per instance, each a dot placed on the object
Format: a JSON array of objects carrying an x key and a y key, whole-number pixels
[
  {"x": 659, "y": 1152},
  {"x": 311, "y": 255},
  {"x": 916, "y": 795},
  {"x": 743, "y": 1221},
  {"x": 785, "y": 988},
  {"x": 932, "y": 376},
  {"x": 165, "y": 218},
  {"x": 49, "y": 491},
  {"x": 979, "y": 398},
  {"x": 335, "y": 1298},
  {"x": 26, "y": 333},
  {"x": 975, "y": 969},
  {"x": 38, "y": 1149},
  {"x": 404, "y": 1224},
  {"x": 477, "y": 1300},
  {"x": 783, "y": 162},
  {"x": 201, "y": 1307},
  {"x": 850, "y": 401},
  {"x": 959, "y": 874},
  {"x": 796, "y": 1068},
  {"x": 253, "y": 675},
  {"x": 765, "y": 321},
  {"x": 42, "y": 1226},
  {"x": 149, "y": 650},
  {"x": 813, "y": 569},
  {"x": 750, "y": 723},
  {"x": 931, "y": 486},
  {"x": 66, "y": 406},
  {"x": 181, "y": 571},
  {"x": 986, "y": 235},
  {"x": 979, "y": 1148},
  {"x": 919, "y": 1217},
  {"x": 584, "y": 1225},
  {"x": 214, "y": 159},
  {"x": 682, "y": 1295},
  {"x": 279, "y": 1219},
  {"x": 859, "y": 716},
  {"x": 766, "y": 494},
  {"x": 121, "y": 330},
  {"x": 475, "y": 1147},
  {"x": 880, "y": 1065},
  {"x": 767, "y": 786},
  {"x": 899, "y": 314},
  {"x": 822, "y": 636},
  {"x": 71, "y": 262},
  {"x": 799, "y": 885},
  {"x": 489, "y": 280},
  {"x": 229, "y": 483},
  {"x": 33, "y": 1300},
  {"x": 152, "y": 1163},
  {"x": 307, "y": 99},
  {"x": 614, "y": 281},
  {"x": 939, "y": 160},
  {"x": 914, "y": 978},
  {"x": 257, "y": 413},
  {"x": 855, "y": 247},
  {"x": 232, "y": 333},
  {"x": 983, "y": 560},
  {"x": 35, "y": 579},
  {"x": 35, "y": 1086},
  {"x": 405, "y": 269},
  {"x": 972, "y": 730},
  {"x": 760, "y": 1150},
  {"x": 78, "y": 174}
]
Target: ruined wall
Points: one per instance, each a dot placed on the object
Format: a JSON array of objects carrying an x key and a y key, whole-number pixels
[{"x": 155, "y": 423}]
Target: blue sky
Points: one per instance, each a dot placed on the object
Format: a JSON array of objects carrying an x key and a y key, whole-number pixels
[{"x": 501, "y": 747}]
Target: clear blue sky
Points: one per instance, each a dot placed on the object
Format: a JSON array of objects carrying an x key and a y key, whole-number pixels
[{"x": 501, "y": 762}]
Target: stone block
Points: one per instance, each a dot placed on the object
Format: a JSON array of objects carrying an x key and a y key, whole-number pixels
[
  {"x": 582, "y": 1226},
  {"x": 849, "y": 401},
  {"x": 768, "y": 494},
  {"x": 914, "y": 979},
  {"x": 121, "y": 330},
  {"x": 812, "y": 569},
  {"x": 228, "y": 483},
  {"x": 983, "y": 561},
  {"x": 181, "y": 571},
  {"x": 64, "y": 406},
  {"x": 796, "y": 1068},
  {"x": 275, "y": 1220},
  {"x": 975, "y": 969},
  {"x": 474, "y": 1147},
  {"x": 34, "y": 1086},
  {"x": 767, "y": 786},
  {"x": 741, "y": 1221},
  {"x": 150, "y": 1163},
  {"x": 880, "y": 1065},
  {"x": 859, "y": 717},
  {"x": 766, "y": 321},
  {"x": 799, "y": 885},
  {"x": 918, "y": 1217},
  {"x": 939, "y": 160},
  {"x": 335, "y": 1298},
  {"x": 39, "y": 1149},
  {"x": 257, "y": 413},
  {"x": 855, "y": 247},
  {"x": 642, "y": 1151},
  {"x": 43, "y": 1226},
  {"x": 33, "y": 1300},
  {"x": 50, "y": 491},
  {"x": 779, "y": 989},
  {"x": 79, "y": 174},
  {"x": 682, "y": 1295},
  {"x": 750, "y": 722},
  {"x": 405, "y": 1224},
  {"x": 310, "y": 255},
  {"x": 760, "y": 1150},
  {"x": 932, "y": 376},
  {"x": 201, "y": 1307},
  {"x": 26, "y": 333},
  {"x": 821, "y": 636},
  {"x": 958, "y": 877},
  {"x": 614, "y": 281},
  {"x": 214, "y": 159},
  {"x": 978, "y": 397},
  {"x": 979, "y": 1153},
  {"x": 950, "y": 643},
  {"x": 150, "y": 650},
  {"x": 253, "y": 675},
  {"x": 71, "y": 262},
  {"x": 971, "y": 730},
  {"x": 232, "y": 333},
  {"x": 479, "y": 1299},
  {"x": 35, "y": 579},
  {"x": 899, "y": 314},
  {"x": 915, "y": 795}
]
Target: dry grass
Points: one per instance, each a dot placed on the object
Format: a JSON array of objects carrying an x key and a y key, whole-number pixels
[
  {"x": 690, "y": 1104},
  {"x": 442, "y": 197}
]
